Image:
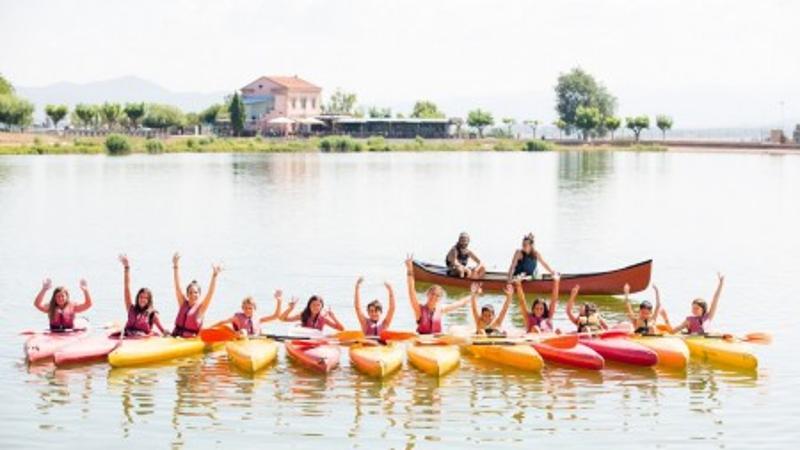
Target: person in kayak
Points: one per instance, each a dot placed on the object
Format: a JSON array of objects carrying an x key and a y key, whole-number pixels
[
  {"x": 486, "y": 322},
  {"x": 428, "y": 315},
  {"x": 191, "y": 309},
  {"x": 526, "y": 260},
  {"x": 540, "y": 317},
  {"x": 313, "y": 316},
  {"x": 458, "y": 258},
  {"x": 371, "y": 323},
  {"x": 142, "y": 317},
  {"x": 588, "y": 319},
  {"x": 61, "y": 311},
  {"x": 645, "y": 321},
  {"x": 701, "y": 313},
  {"x": 242, "y": 322}
]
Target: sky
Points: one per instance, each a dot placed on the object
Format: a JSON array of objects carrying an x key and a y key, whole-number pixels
[{"x": 706, "y": 63}]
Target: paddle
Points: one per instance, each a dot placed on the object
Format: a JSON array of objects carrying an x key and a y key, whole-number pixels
[
  {"x": 388, "y": 335},
  {"x": 218, "y": 334},
  {"x": 757, "y": 337}
]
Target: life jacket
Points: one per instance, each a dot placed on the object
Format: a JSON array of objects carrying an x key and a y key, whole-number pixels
[
  {"x": 372, "y": 327},
  {"x": 315, "y": 322},
  {"x": 429, "y": 321},
  {"x": 462, "y": 256},
  {"x": 643, "y": 326},
  {"x": 694, "y": 324},
  {"x": 187, "y": 323},
  {"x": 589, "y": 323},
  {"x": 139, "y": 322},
  {"x": 242, "y": 322},
  {"x": 544, "y": 323},
  {"x": 526, "y": 265},
  {"x": 63, "y": 318}
]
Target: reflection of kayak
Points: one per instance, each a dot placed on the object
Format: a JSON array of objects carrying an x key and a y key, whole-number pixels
[
  {"x": 157, "y": 349},
  {"x": 434, "y": 359},
  {"x": 621, "y": 349},
  {"x": 87, "y": 350},
  {"x": 579, "y": 356},
  {"x": 251, "y": 355},
  {"x": 672, "y": 352},
  {"x": 42, "y": 346},
  {"x": 520, "y": 356},
  {"x": 721, "y": 351},
  {"x": 316, "y": 356},
  {"x": 598, "y": 283},
  {"x": 376, "y": 360}
]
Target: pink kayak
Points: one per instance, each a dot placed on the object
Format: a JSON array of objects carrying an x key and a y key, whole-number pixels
[
  {"x": 42, "y": 346},
  {"x": 621, "y": 349},
  {"x": 319, "y": 357},
  {"x": 87, "y": 350},
  {"x": 579, "y": 356}
]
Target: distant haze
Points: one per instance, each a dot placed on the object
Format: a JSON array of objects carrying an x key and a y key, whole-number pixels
[{"x": 713, "y": 63}]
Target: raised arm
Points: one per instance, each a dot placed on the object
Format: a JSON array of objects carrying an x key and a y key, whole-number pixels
[
  {"x": 87, "y": 299},
  {"x": 362, "y": 321},
  {"x": 475, "y": 290},
  {"x": 212, "y": 287},
  {"x": 277, "y": 313},
  {"x": 523, "y": 307},
  {"x": 628, "y": 308},
  {"x": 498, "y": 321},
  {"x": 712, "y": 311},
  {"x": 554, "y": 294},
  {"x": 544, "y": 263},
  {"x": 657, "y": 310},
  {"x": 126, "y": 266},
  {"x": 287, "y": 315},
  {"x": 571, "y": 303},
  {"x": 476, "y": 314},
  {"x": 157, "y": 324},
  {"x": 387, "y": 321},
  {"x": 222, "y": 322},
  {"x": 412, "y": 291},
  {"x": 176, "y": 278},
  {"x": 332, "y": 320},
  {"x": 514, "y": 261},
  {"x": 38, "y": 302}
]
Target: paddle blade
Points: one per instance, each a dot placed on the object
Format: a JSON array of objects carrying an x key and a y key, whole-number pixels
[
  {"x": 758, "y": 338},
  {"x": 453, "y": 339},
  {"x": 219, "y": 334},
  {"x": 387, "y": 335},
  {"x": 349, "y": 335},
  {"x": 561, "y": 341},
  {"x": 664, "y": 328}
]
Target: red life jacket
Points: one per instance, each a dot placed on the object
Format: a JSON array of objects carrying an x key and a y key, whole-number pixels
[
  {"x": 694, "y": 324},
  {"x": 139, "y": 323},
  {"x": 429, "y": 321},
  {"x": 315, "y": 322},
  {"x": 187, "y": 323},
  {"x": 372, "y": 328},
  {"x": 544, "y": 323},
  {"x": 242, "y": 322},
  {"x": 63, "y": 318}
]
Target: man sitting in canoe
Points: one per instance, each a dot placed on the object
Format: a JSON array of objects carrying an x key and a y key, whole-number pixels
[
  {"x": 525, "y": 260},
  {"x": 457, "y": 260},
  {"x": 429, "y": 315}
]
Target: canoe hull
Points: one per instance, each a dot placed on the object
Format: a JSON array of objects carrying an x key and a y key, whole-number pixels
[
  {"x": 672, "y": 352},
  {"x": 376, "y": 360},
  {"x": 157, "y": 349},
  {"x": 599, "y": 283},
  {"x": 321, "y": 358},
  {"x": 719, "y": 351},
  {"x": 251, "y": 355},
  {"x": 86, "y": 351},
  {"x": 579, "y": 356},
  {"x": 519, "y": 356},
  {"x": 436, "y": 360},
  {"x": 622, "y": 350},
  {"x": 41, "y": 347}
]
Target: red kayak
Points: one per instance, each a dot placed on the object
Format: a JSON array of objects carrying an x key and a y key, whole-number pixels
[
  {"x": 41, "y": 346},
  {"x": 579, "y": 356},
  {"x": 87, "y": 350},
  {"x": 621, "y": 349},
  {"x": 317, "y": 356}
]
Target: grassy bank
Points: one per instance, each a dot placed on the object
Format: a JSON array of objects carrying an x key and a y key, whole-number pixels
[{"x": 21, "y": 144}]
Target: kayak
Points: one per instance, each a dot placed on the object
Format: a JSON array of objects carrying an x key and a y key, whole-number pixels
[
  {"x": 157, "y": 349},
  {"x": 520, "y": 356},
  {"x": 579, "y": 356},
  {"x": 251, "y": 355},
  {"x": 316, "y": 356},
  {"x": 672, "y": 352},
  {"x": 621, "y": 349},
  {"x": 599, "y": 283},
  {"x": 42, "y": 346},
  {"x": 434, "y": 359},
  {"x": 376, "y": 360},
  {"x": 87, "y": 350},
  {"x": 721, "y": 351}
]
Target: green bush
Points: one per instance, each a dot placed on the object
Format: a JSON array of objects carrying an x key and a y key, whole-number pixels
[
  {"x": 419, "y": 141},
  {"x": 117, "y": 144},
  {"x": 191, "y": 143},
  {"x": 377, "y": 144},
  {"x": 206, "y": 140},
  {"x": 505, "y": 146},
  {"x": 154, "y": 146},
  {"x": 341, "y": 144},
  {"x": 538, "y": 145}
]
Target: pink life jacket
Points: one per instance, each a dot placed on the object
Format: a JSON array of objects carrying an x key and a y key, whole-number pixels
[
  {"x": 372, "y": 328},
  {"x": 187, "y": 323},
  {"x": 315, "y": 322},
  {"x": 242, "y": 322},
  {"x": 694, "y": 324},
  {"x": 63, "y": 318},
  {"x": 429, "y": 321},
  {"x": 544, "y": 323},
  {"x": 139, "y": 323}
]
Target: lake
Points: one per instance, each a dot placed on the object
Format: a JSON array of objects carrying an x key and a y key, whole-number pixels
[{"x": 312, "y": 223}]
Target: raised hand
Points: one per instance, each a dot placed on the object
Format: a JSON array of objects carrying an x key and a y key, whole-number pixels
[
  {"x": 509, "y": 290},
  {"x": 387, "y": 285},
  {"x": 176, "y": 258},
  {"x": 655, "y": 289},
  {"x": 721, "y": 277},
  {"x": 47, "y": 283},
  {"x": 475, "y": 289},
  {"x": 84, "y": 285},
  {"x": 216, "y": 269},
  {"x": 359, "y": 281},
  {"x": 627, "y": 289},
  {"x": 575, "y": 290},
  {"x": 278, "y": 294},
  {"x": 123, "y": 258},
  {"x": 410, "y": 262},
  {"x": 293, "y": 301}
]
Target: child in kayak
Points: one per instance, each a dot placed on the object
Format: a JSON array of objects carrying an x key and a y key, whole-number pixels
[
  {"x": 645, "y": 321},
  {"x": 191, "y": 309},
  {"x": 540, "y": 317},
  {"x": 701, "y": 313},
  {"x": 526, "y": 259},
  {"x": 61, "y": 311},
  {"x": 428, "y": 315},
  {"x": 313, "y": 316},
  {"x": 142, "y": 317},
  {"x": 486, "y": 322},
  {"x": 371, "y": 323},
  {"x": 588, "y": 319},
  {"x": 243, "y": 322}
]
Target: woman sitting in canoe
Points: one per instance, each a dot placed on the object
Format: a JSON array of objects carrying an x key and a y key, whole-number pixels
[
  {"x": 142, "y": 317},
  {"x": 540, "y": 317},
  {"x": 526, "y": 260},
  {"x": 191, "y": 309},
  {"x": 313, "y": 316},
  {"x": 429, "y": 315},
  {"x": 645, "y": 321},
  {"x": 588, "y": 319},
  {"x": 486, "y": 322},
  {"x": 242, "y": 322},
  {"x": 61, "y": 311},
  {"x": 701, "y": 313},
  {"x": 457, "y": 260},
  {"x": 371, "y": 323}
]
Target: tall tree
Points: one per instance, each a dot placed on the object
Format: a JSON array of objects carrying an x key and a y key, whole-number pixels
[
  {"x": 509, "y": 122},
  {"x": 426, "y": 109},
  {"x": 578, "y": 88},
  {"x": 587, "y": 118},
  {"x": 110, "y": 114},
  {"x": 163, "y": 116},
  {"x": 612, "y": 124},
  {"x": 380, "y": 113},
  {"x": 85, "y": 114},
  {"x": 134, "y": 111},
  {"x": 561, "y": 125},
  {"x": 209, "y": 115},
  {"x": 480, "y": 119},
  {"x": 56, "y": 113},
  {"x": 340, "y": 103},
  {"x": 637, "y": 124},
  {"x": 533, "y": 124},
  {"x": 6, "y": 88},
  {"x": 15, "y": 111},
  {"x": 236, "y": 110},
  {"x": 663, "y": 123}
]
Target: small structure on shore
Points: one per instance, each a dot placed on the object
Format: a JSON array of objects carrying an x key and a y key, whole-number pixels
[
  {"x": 392, "y": 128},
  {"x": 271, "y": 97},
  {"x": 796, "y": 134}
]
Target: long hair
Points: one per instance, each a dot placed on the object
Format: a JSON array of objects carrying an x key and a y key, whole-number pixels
[
  {"x": 51, "y": 310},
  {"x": 538, "y": 301},
  {"x": 306, "y": 314},
  {"x": 147, "y": 308},
  {"x": 702, "y": 304}
]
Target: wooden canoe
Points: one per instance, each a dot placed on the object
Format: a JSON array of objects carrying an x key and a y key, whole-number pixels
[{"x": 598, "y": 283}]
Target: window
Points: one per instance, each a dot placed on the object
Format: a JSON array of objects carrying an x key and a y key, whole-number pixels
[
  {"x": 303, "y": 102},
  {"x": 314, "y": 103},
  {"x": 260, "y": 86},
  {"x": 294, "y": 102}
]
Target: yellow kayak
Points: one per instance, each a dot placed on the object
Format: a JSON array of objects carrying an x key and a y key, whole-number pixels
[
  {"x": 251, "y": 355},
  {"x": 672, "y": 351},
  {"x": 434, "y": 359},
  {"x": 721, "y": 351},
  {"x": 376, "y": 360},
  {"x": 520, "y": 356},
  {"x": 157, "y": 349}
]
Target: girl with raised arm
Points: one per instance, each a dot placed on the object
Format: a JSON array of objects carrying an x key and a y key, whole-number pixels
[
  {"x": 371, "y": 323},
  {"x": 61, "y": 311},
  {"x": 314, "y": 315},
  {"x": 142, "y": 317},
  {"x": 645, "y": 321},
  {"x": 486, "y": 322},
  {"x": 243, "y": 321},
  {"x": 428, "y": 315},
  {"x": 191, "y": 309},
  {"x": 588, "y": 319},
  {"x": 540, "y": 317},
  {"x": 701, "y": 314}
]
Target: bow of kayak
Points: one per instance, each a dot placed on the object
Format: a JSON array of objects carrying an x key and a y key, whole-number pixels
[
  {"x": 434, "y": 359},
  {"x": 672, "y": 352},
  {"x": 579, "y": 356},
  {"x": 251, "y": 355},
  {"x": 720, "y": 351},
  {"x": 42, "y": 346},
  {"x": 376, "y": 360},
  {"x": 519, "y": 356},
  {"x": 90, "y": 349},
  {"x": 318, "y": 357},
  {"x": 157, "y": 349},
  {"x": 621, "y": 349}
]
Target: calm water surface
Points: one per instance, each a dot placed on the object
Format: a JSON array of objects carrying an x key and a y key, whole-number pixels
[{"x": 313, "y": 223}]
